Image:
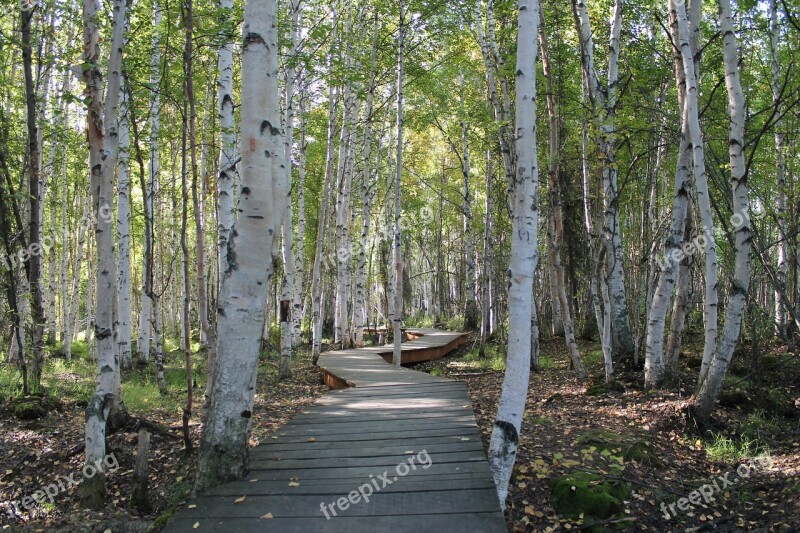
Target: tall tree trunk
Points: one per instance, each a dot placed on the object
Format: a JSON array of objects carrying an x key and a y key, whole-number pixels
[
  {"x": 711, "y": 384},
  {"x": 398, "y": 253},
  {"x": 604, "y": 102},
  {"x": 369, "y": 188},
  {"x": 488, "y": 254},
  {"x": 34, "y": 164},
  {"x": 124, "y": 234},
  {"x": 522, "y": 264},
  {"x": 556, "y": 213},
  {"x": 102, "y": 162},
  {"x": 655, "y": 361},
  {"x": 344, "y": 184},
  {"x": 227, "y": 158},
  {"x": 148, "y": 306},
  {"x": 469, "y": 296},
  {"x": 780, "y": 171},
  {"x": 298, "y": 311},
  {"x": 288, "y": 284},
  {"x": 189, "y": 150},
  {"x": 224, "y": 444},
  {"x": 706, "y": 233},
  {"x": 316, "y": 274}
]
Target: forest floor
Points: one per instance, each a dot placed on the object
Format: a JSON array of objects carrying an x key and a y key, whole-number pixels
[
  {"x": 584, "y": 443},
  {"x": 621, "y": 452},
  {"x": 36, "y": 453}
]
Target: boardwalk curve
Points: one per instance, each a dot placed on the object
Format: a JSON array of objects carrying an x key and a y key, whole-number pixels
[{"x": 396, "y": 450}]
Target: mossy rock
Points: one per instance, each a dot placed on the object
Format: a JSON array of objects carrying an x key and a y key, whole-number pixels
[
  {"x": 621, "y": 446},
  {"x": 590, "y": 495},
  {"x": 643, "y": 453},
  {"x": 35, "y": 407},
  {"x": 602, "y": 437},
  {"x": 30, "y": 410}
]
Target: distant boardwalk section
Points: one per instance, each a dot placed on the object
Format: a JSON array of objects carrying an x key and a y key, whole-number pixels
[{"x": 395, "y": 451}]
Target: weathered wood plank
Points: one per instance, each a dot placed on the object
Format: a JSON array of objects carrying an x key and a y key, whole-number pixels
[
  {"x": 368, "y": 437},
  {"x": 451, "y": 523},
  {"x": 399, "y": 504}
]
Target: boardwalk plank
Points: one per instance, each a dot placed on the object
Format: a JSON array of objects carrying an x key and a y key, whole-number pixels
[{"x": 365, "y": 436}]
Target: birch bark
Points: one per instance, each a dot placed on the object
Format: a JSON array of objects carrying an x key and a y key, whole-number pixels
[
  {"x": 524, "y": 255},
  {"x": 711, "y": 384},
  {"x": 102, "y": 162},
  {"x": 240, "y": 316}
]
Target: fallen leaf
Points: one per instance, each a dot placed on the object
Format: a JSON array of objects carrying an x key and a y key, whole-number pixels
[
  {"x": 267, "y": 516},
  {"x": 240, "y": 499}
]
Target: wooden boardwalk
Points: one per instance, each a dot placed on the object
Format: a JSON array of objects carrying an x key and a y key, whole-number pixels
[{"x": 405, "y": 441}]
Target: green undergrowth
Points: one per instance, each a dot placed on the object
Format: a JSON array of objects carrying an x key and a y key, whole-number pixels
[{"x": 589, "y": 496}]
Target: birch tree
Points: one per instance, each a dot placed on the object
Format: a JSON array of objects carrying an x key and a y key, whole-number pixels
[
  {"x": 368, "y": 190},
  {"x": 262, "y": 204},
  {"x": 655, "y": 364},
  {"x": 148, "y": 306},
  {"x": 556, "y": 217},
  {"x": 524, "y": 255},
  {"x": 711, "y": 383},
  {"x": 102, "y": 162},
  {"x": 34, "y": 175},
  {"x": 124, "y": 233},
  {"x": 603, "y": 99},
  {"x": 780, "y": 171},
  {"x": 316, "y": 281},
  {"x": 397, "y": 255},
  {"x": 710, "y": 298}
]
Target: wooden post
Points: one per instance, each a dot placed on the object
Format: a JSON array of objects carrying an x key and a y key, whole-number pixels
[{"x": 139, "y": 500}]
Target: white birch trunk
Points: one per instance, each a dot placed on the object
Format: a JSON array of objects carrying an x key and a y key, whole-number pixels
[
  {"x": 344, "y": 184},
  {"x": 396, "y": 243},
  {"x": 316, "y": 278},
  {"x": 668, "y": 263},
  {"x": 287, "y": 242},
  {"x": 522, "y": 264},
  {"x": 299, "y": 260},
  {"x": 102, "y": 163},
  {"x": 124, "y": 235},
  {"x": 604, "y": 101},
  {"x": 369, "y": 185},
  {"x": 147, "y": 307},
  {"x": 780, "y": 171},
  {"x": 556, "y": 219},
  {"x": 711, "y": 384},
  {"x": 701, "y": 185},
  {"x": 240, "y": 316}
]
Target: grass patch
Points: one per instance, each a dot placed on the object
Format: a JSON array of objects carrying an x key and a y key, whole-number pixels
[
  {"x": 494, "y": 358},
  {"x": 455, "y": 323},
  {"x": 546, "y": 362},
  {"x": 731, "y": 451}
]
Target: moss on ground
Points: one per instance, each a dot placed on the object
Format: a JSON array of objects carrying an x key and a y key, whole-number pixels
[{"x": 589, "y": 495}]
